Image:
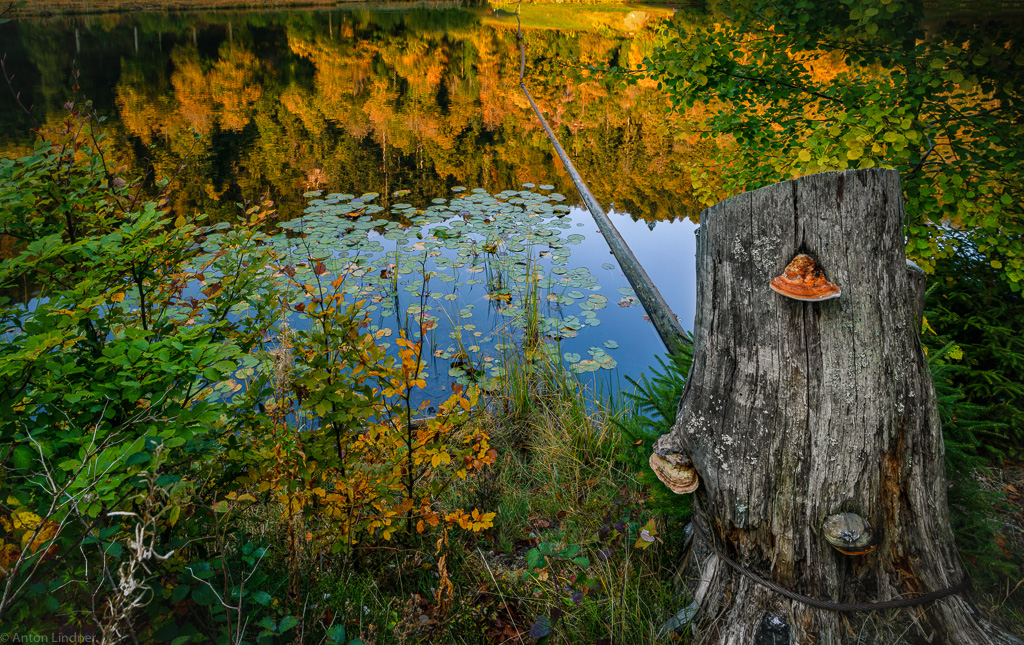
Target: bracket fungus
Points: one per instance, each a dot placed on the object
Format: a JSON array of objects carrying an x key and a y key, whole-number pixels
[
  {"x": 849, "y": 534},
  {"x": 803, "y": 280},
  {"x": 672, "y": 467}
]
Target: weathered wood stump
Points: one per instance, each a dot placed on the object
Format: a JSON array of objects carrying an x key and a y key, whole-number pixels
[{"x": 797, "y": 411}]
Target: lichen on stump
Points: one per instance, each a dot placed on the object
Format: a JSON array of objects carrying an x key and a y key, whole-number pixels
[{"x": 797, "y": 411}]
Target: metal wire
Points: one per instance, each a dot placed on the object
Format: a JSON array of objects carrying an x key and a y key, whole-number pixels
[{"x": 824, "y": 604}]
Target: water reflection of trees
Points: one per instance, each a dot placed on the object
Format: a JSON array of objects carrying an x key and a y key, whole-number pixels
[{"x": 351, "y": 101}]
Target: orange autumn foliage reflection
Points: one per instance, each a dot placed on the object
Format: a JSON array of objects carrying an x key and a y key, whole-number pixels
[{"x": 367, "y": 101}]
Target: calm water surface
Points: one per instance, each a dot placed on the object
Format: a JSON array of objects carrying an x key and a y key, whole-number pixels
[{"x": 276, "y": 104}]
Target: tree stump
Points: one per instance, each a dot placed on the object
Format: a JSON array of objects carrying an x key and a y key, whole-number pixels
[{"x": 797, "y": 411}]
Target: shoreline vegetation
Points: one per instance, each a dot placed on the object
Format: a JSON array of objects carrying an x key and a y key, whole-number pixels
[
  {"x": 145, "y": 493},
  {"x": 52, "y": 8},
  {"x": 251, "y": 528}
]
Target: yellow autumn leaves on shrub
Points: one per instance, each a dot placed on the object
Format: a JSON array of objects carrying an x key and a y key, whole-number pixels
[{"x": 25, "y": 533}]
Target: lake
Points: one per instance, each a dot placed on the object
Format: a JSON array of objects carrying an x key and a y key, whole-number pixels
[
  {"x": 299, "y": 106},
  {"x": 302, "y": 105}
]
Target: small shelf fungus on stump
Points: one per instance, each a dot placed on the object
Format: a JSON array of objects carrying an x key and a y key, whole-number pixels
[
  {"x": 849, "y": 534},
  {"x": 672, "y": 467},
  {"x": 803, "y": 280}
]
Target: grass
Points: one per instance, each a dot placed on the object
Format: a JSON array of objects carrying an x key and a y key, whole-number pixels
[
  {"x": 560, "y": 490},
  {"x": 563, "y": 555},
  {"x": 572, "y": 16}
]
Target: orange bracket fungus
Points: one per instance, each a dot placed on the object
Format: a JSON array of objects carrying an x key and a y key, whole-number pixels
[
  {"x": 849, "y": 534},
  {"x": 803, "y": 280},
  {"x": 673, "y": 468}
]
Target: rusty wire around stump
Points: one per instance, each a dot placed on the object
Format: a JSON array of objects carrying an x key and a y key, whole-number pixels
[{"x": 823, "y": 604}]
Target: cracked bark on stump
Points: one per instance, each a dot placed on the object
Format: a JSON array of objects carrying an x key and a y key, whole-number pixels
[{"x": 794, "y": 411}]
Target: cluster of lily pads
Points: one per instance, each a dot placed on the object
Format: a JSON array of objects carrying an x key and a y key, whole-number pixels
[{"x": 469, "y": 275}]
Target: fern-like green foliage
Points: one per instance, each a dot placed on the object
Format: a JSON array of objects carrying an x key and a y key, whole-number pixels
[
  {"x": 976, "y": 355},
  {"x": 972, "y": 508},
  {"x": 969, "y": 303},
  {"x": 654, "y": 403}
]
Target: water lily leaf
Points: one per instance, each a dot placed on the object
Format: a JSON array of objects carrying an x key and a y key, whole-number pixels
[
  {"x": 587, "y": 365},
  {"x": 611, "y": 344},
  {"x": 597, "y": 301}
]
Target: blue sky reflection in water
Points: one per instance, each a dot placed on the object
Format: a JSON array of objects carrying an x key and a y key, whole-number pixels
[{"x": 479, "y": 252}]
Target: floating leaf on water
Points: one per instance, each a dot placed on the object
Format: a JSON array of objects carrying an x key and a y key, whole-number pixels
[
  {"x": 572, "y": 322},
  {"x": 546, "y": 187},
  {"x": 626, "y": 291},
  {"x": 575, "y": 294},
  {"x": 588, "y": 365},
  {"x": 529, "y": 185},
  {"x": 611, "y": 344},
  {"x": 572, "y": 357},
  {"x": 558, "y": 270},
  {"x": 609, "y": 266}
]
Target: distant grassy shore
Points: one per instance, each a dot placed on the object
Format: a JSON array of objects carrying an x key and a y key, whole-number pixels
[
  {"x": 34, "y": 8},
  {"x": 37, "y": 8}
]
